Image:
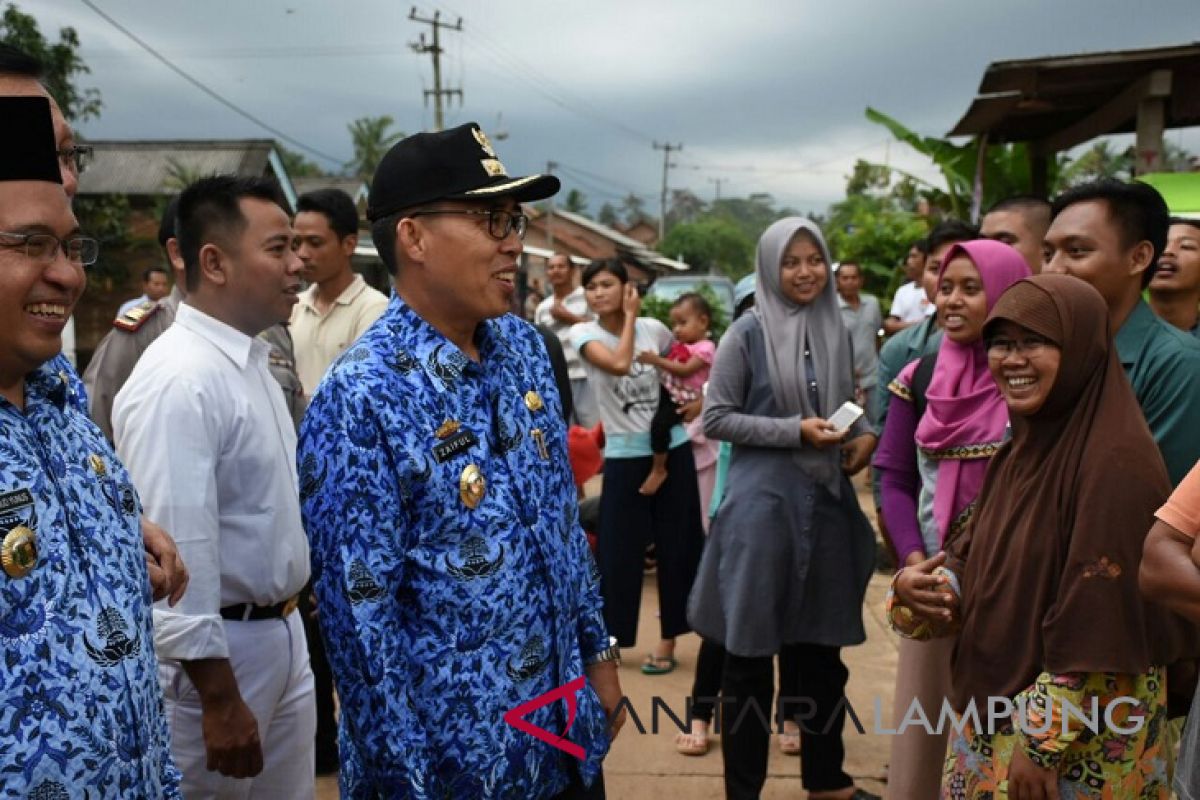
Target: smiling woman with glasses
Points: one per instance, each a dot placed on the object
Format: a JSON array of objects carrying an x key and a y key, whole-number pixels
[
  {"x": 500, "y": 221},
  {"x": 43, "y": 247}
]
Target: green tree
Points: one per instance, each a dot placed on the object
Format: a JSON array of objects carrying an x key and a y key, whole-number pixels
[
  {"x": 371, "y": 138},
  {"x": 297, "y": 165},
  {"x": 61, "y": 61},
  {"x": 876, "y": 233},
  {"x": 1006, "y": 168},
  {"x": 576, "y": 202},
  {"x": 608, "y": 215},
  {"x": 685, "y": 207},
  {"x": 751, "y": 215},
  {"x": 634, "y": 210},
  {"x": 710, "y": 245}
]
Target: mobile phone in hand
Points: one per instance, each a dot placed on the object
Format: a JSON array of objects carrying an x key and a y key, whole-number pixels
[{"x": 845, "y": 416}]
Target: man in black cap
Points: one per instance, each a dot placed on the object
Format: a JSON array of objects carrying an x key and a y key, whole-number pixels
[
  {"x": 456, "y": 588},
  {"x": 83, "y": 712},
  {"x": 21, "y": 76}
]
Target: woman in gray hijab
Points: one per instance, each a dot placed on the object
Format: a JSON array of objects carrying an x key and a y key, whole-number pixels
[{"x": 789, "y": 553}]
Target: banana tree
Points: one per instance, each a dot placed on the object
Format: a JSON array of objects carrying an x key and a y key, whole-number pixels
[{"x": 1000, "y": 171}]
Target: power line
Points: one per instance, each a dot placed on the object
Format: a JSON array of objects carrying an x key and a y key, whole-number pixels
[
  {"x": 435, "y": 49},
  {"x": 211, "y": 92}
]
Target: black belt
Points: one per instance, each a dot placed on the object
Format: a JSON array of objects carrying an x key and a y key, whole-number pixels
[{"x": 248, "y": 612}]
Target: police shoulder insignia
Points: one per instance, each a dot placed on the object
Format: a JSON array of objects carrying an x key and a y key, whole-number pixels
[{"x": 136, "y": 317}]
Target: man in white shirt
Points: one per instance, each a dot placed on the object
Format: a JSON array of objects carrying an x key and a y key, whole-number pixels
[
  {"x": 209, "y": 442},
  {"x": 910, "y": 305},
  {"x": 566, "y": 306},
  {"x": 338, "y": 305}
]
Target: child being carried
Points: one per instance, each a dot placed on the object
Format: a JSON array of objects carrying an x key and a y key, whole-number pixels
[{"x": 683, "y": 371}]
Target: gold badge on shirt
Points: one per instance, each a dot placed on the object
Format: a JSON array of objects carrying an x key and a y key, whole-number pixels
[
  {"x": 97, "y": 465},
  {"x": 18, "y": 553},
  {"x": 533, "y": 401},
  {"x": 472, "y": 486}
]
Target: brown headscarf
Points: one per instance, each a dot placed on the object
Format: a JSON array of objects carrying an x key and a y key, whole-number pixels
[{"x": 1051, "y": 560}]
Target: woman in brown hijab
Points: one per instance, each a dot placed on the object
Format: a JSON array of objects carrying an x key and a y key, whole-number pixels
[{"x": 1051, "y": 617}]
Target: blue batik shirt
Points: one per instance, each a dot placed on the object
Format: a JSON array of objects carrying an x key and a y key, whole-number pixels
[
  {"x": 81, "y": 713},
  {"x": 439, "y": 618}
]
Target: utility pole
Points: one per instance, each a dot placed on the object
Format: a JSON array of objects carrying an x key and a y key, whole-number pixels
[
  {"x": 662, "y": 217},
  {"x": 550, "y": 167},
  {"x": 436, "y": 51},
  {"x": 718, "y": 182}
]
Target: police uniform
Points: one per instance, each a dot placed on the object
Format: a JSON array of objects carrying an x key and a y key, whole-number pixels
[{"x": 133, "y": 332}]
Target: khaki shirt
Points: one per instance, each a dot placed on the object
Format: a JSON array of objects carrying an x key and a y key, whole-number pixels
[
  {"x": 133, "y": 332},
  {"x": 319, "y": 339}
]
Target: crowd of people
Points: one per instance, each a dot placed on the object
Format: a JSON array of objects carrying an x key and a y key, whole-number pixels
[{"x": 261, "y": 497}]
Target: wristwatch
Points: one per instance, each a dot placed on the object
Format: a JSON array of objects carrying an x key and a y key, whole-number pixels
[{"x": 610, "y": 653}]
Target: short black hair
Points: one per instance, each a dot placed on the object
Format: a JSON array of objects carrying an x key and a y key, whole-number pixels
[
  {"x": 1136, "y": 208},
  {"x": 168, "y": 222},
  {"x": 1021, "y": 202},
  {"x": 336, "y": 205},
  {"x": 15, "y": 61},
  {"x": 612, "y": 265},
  {"x": 383, "y": 234},
  {"x": 148, "y": 271},
  {"x": 1195, "y": 223},
  {"x": 567, "y": 256},
  {"x": 950, "y": 230},
  {"x": 696, "y": 301},
  {"x": 922, "y": 245},
  {"x": 855, "y": 264},
  {"x": 210, "y": 207}
]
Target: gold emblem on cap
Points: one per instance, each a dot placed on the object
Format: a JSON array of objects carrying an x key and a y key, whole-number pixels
[
  {"x": 471, "y": 486},
  {"x": 493, "y": 168},
  {"x": 533, "y": 401},
  {"x": 97, "y": 464},
  {"x": 484, "y": 142},
  {"x": 18, "y": 553},
  {"x": 447, "y": 429}
]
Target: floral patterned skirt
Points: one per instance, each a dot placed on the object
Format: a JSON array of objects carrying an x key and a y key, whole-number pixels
[{"x": 1107, "y": 765}]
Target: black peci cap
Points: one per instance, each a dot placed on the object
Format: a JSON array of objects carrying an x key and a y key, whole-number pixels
[
  {"x": 458, "y": 164},
  {"x": 27, "y": 147}
]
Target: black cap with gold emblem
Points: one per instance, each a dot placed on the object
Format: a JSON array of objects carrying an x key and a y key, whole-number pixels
[
  {"x": 27, "y": 141},
  {"x": 458, "y": 164}
]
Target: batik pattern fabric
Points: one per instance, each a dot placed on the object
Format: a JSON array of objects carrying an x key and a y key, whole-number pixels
[
  {"x": 81, "y": 712},
  {"x": 1125, "y": 759},
  {"x": 446, "y": 603}
]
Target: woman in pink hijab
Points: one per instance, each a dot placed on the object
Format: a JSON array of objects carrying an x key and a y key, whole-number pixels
[{"x": 946, "y": 421}]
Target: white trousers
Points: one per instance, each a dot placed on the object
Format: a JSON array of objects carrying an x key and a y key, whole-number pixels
[{"x": 270, "y": 661}]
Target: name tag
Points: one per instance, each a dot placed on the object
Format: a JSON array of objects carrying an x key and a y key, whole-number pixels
[
  {"x": 460, "y": 442},
  {"x": 14, "y": 500}
]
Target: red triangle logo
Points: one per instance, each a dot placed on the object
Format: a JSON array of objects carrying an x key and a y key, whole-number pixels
[{"x": 516, "y": 717}]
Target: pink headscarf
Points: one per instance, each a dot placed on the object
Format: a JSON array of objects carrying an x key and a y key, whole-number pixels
[{"x": 965, "y": 415}]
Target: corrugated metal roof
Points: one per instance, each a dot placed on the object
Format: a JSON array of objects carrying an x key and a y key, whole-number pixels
[
  {"x": 149, "y": 167},
  {"x": 355, "y": 187}
]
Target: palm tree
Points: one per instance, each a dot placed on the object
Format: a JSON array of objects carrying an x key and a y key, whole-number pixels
[{"x": 371, "y": 138}]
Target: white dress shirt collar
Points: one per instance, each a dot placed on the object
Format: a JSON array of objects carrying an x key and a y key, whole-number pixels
[{"x": 237, "y": 346}]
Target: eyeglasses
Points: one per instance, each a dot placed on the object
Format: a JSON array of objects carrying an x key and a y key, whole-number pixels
[
  {"x": 1030, "y": 347},
  {"x": 43, "y": 248},
  {"x": 76, "y": 157},
  {"x": 500, "y": 222}
]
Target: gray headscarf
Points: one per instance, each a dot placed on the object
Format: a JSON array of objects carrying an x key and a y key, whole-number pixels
[{"x": 788, "y": 329}]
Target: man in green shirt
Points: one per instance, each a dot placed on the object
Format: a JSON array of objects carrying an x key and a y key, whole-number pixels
[{"x": 1111, "y": 234}]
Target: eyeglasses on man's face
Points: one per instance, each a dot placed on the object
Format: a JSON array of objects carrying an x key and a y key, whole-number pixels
[
  {"x": 500, "y": 221},
  {"x": 43, "y": 248},
  {"x": 76, "y": 158}
]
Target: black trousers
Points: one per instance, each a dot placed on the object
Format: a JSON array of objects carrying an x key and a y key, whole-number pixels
[
  {"x": 710, "y": 669},
  {"x": 326, "y": 739},
  {"x": 629, "y": 521},
  {"x": 748, "y": 687}
]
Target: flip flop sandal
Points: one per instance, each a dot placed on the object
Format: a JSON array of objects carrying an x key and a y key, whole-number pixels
[{"x": 659, "y": 665}]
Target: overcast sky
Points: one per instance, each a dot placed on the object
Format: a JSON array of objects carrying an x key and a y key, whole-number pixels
[{"x": 765, "y": 96}]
